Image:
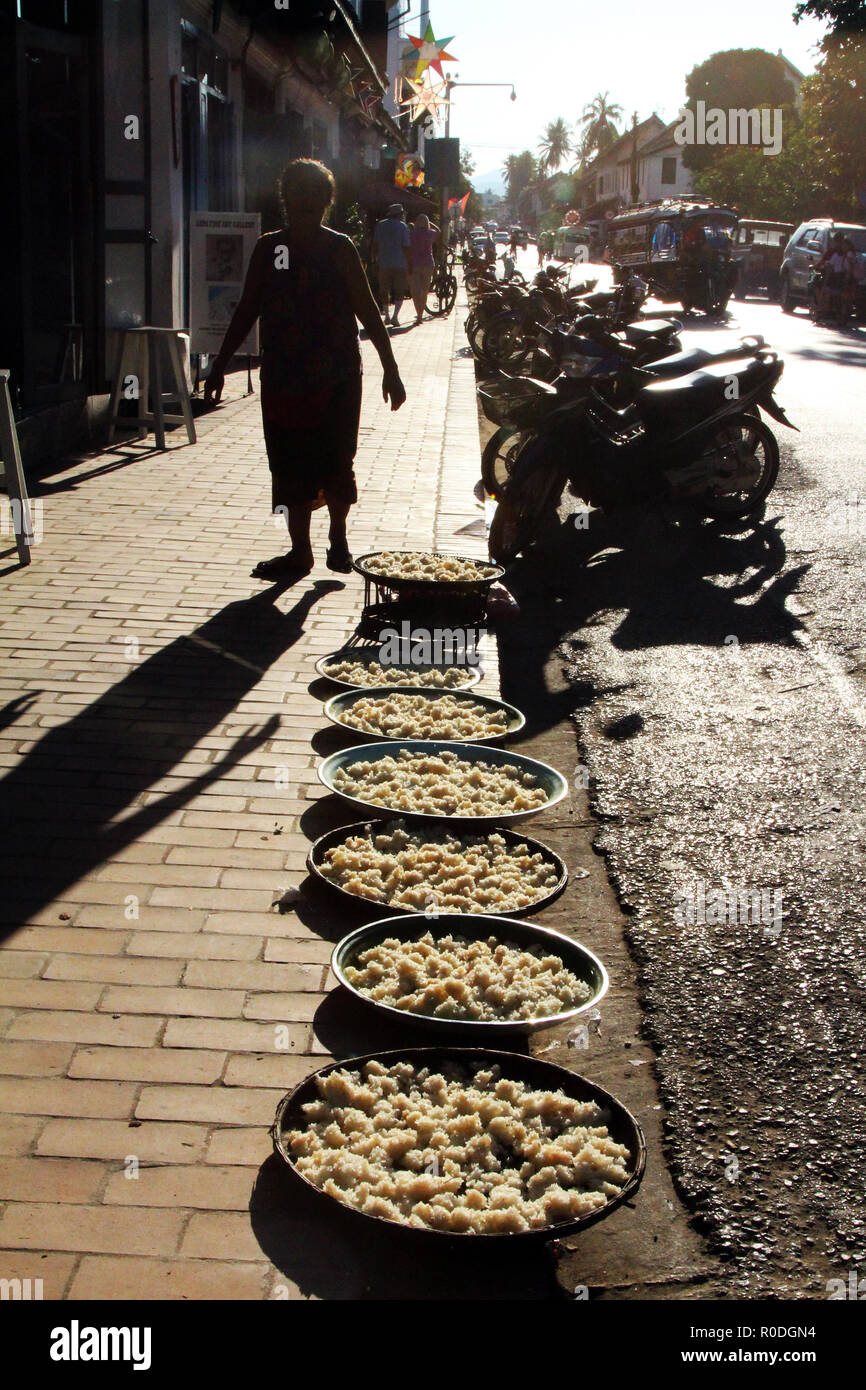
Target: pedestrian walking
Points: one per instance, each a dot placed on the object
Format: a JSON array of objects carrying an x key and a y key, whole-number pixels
[
  {"x": 307, "y": 286},
  {"x": 391, "y": 244},
  {"x": 422, "y": 238}
]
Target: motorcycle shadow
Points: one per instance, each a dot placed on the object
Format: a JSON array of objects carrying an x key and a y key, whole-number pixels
[{"x": 654, "y": 580}]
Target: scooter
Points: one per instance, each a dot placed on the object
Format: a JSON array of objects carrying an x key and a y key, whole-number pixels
[{"x": 694, "y": 438}]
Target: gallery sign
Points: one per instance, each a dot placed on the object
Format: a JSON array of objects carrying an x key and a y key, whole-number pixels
[{"x": 220, "y": 246}]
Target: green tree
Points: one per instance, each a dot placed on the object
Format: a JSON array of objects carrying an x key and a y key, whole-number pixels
[
  {"x": 737, "y": 78},
  {"x": 519, "y": 170},
  {"x": 554, "y": 146},
  {"x": 599, "y": 122},
  {"x": 821, "y": 169},
  {"x": 844, "y": 16}
]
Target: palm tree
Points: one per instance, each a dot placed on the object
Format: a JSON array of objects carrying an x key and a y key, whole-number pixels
[
  {"x": 599, "y": 121},
  {"x": 554, "y": 146}
]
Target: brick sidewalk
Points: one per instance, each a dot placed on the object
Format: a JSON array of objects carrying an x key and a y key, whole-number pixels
[{"x": 162, "y": 793}]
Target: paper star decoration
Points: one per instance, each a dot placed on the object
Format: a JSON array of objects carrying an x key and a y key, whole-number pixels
[
  {"x": 431, "y": 52},
  {"x": 425, "y": 99}
]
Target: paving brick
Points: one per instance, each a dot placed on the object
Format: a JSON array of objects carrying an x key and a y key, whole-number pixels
[
  {"x": 282, "y": 1072},
  {"x": 194, "y": 1003},
  {"x": 102, "y": 1277},
  {"x": 18, "y": 1133},
  {"x": 114, "y": 970},
  {"x": 57, "y": 1096},
  {"x": 205, "y": 1189},
  {"x": 34, "y": 1058},
  {"x": 283, "y": 1008},
  {"x": 269, "y": 924},
  {"x": 116, "y": 1140},
  {"x": 51, "y": 1180},
  {"x": 250, "y": 1147},
  {"x": 68, "y": 939},
  {"x": 219, "y": 1236},
  {"x": 192, "y": 946},
  {"x": 258, "y": 975},
  {"x": 86, "y": 1028},
  {"x": 20, "y": 965},
  {"x": 309, "y": 949},
  {"x": 235, "y": 1035},
  {"x": 213, "y": 1104},
  {"x": 92, "y": 1228},
  {"x": 148, "y": 1064},
  {"x": 55, "y": 1271},
  {"x": 43, "y": 994}
]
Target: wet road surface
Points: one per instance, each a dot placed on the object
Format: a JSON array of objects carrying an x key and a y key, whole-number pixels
[{"x": 719, "y": 693}]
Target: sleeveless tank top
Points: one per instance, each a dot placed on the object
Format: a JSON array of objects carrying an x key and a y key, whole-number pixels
[{"x": 309, "y": 334}]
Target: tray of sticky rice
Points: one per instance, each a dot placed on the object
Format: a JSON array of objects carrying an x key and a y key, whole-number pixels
[
  {"x": 467, "y": 973},
  {"x": 422, "y": 714},
  {"x": 461, "y": 1144},
  {"x": 361, "y": 667},
  {"x": 428, "y": 573},
  {"x": 443, "y": 780},
  {"x": 398, "y": 866}
]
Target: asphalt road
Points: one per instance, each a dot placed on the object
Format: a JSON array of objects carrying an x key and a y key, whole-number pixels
[{"x": 719, "y": 700}]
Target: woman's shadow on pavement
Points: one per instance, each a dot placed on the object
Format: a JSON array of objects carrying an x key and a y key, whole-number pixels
[{"x": 68, "y": 802}]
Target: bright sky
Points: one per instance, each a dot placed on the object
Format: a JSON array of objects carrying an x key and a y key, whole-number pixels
[{"x": 638, "y": 51}]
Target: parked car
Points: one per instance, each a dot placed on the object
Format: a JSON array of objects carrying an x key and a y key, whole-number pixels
[
  {"x": 803, "y": 253},
  {"x": 501, "y": 238},
  {"x": 757, "y": 254}
]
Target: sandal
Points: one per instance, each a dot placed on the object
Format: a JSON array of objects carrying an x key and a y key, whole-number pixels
[
  {"x": 282, "y": 567},
  {"x": 339, "y": 559}
]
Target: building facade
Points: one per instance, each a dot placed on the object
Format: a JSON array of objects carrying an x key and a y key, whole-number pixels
[{"x": 129, "y": 115}]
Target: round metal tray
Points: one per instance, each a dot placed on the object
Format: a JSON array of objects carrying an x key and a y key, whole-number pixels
[
  {"x": 333, "y": 838},
  {"x": 473, "y": 674},
  {"x": 438, "y": 588},
  {"x": 341, "y": 704},
  {"x": 507, "y": 930},
  {"x": 621, "y": 1124},
  {"x": 552, "y": 781}
]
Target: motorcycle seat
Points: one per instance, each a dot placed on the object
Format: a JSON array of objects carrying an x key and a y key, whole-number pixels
[
  {"x": 691, "y": 360},
  {"x": 673, "y": 402},
  {"x": 648, "y": 328}
]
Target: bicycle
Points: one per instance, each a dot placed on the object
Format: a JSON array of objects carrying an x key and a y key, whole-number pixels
[{"x": 443, "y": 286}]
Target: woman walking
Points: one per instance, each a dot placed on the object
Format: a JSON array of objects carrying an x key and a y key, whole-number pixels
[
  {"x": 423, "y": 236},
  {"x": 307, "y": 286}
]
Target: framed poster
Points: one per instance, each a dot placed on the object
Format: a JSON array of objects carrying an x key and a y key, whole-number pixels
[{"x": 220, "y": 246}]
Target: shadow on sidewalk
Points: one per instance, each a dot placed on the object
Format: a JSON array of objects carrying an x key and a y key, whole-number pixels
[
  {"x": 670, "y": 586},
  {"x": 67, "y": 804},
  {"x": 331, "y": 1253}
]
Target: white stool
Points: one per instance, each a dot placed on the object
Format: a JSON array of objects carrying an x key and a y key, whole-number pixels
[{"x": 142, "y": 347}]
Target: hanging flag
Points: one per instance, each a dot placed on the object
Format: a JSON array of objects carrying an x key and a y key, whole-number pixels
[{"x": 460, "y": 202}]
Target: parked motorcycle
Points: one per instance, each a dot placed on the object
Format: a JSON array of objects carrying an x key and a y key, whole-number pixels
[{"x": 696, "y": 437}]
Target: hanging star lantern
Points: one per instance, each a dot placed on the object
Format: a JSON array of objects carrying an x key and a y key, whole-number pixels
[
  {"x": 426, "y": 99},
  {"x": 431, "y": 52}
]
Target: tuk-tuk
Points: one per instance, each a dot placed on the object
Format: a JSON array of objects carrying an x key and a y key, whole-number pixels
[
  {"x": 683, "y": 247},
  {"x": 759, "y": 247}
]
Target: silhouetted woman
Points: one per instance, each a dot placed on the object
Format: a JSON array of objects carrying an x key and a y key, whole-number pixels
[{"x": 307, "y": 285}]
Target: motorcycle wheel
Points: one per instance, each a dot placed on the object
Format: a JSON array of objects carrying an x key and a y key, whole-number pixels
[
  {"x": 533, "y": 498},
  {"x": 497, "y": 460},
  {"x": 758, "y": 439},
  {"x": 504, "y": 344}
]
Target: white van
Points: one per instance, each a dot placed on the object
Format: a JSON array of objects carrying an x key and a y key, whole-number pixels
[{"x": 571, "y": 244}]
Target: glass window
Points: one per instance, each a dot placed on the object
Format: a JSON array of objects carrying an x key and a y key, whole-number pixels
[{"x": 669, "y": 169}]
